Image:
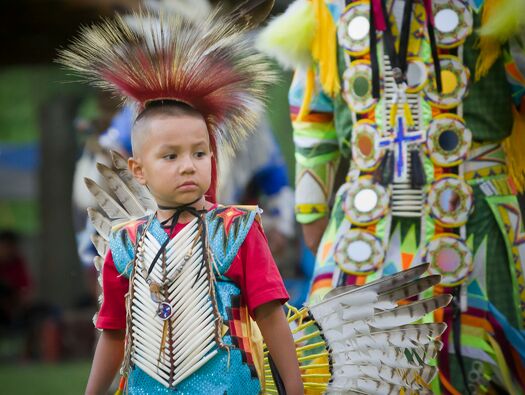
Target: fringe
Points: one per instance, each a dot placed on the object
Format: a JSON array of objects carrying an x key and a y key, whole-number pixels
[
  {"x": 513, "y": 147},
  {"x": 324, "y": 48},
  {"x": 307, "y": 96},
  {"x": 500, "y": 20},
  {"x": 288, "y": 38}
]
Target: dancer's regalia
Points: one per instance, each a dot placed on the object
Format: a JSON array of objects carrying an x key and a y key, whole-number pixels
[
  {"x": 428, "y": 179},
  {"x": 188, "y": 325}
]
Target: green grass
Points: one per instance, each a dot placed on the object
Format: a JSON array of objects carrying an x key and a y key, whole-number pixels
[{"x": 44, "y": 379}]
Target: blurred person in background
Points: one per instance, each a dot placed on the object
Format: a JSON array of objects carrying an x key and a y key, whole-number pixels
[
  {"x": 21, "y": 316},
  {"x": 16, "y": 285},
  {"x": 261, "y": 177},
  {"x": 94, "y": 117}
]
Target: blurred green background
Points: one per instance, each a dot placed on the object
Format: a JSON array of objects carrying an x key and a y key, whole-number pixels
[{"x": 44, "y": 379}]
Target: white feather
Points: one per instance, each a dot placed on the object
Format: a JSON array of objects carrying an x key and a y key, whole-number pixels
[
  {"x": 374, "y": 347},
  {"x": 409, "y": 313},
  {"x": 100, "y": 222},
  {"x": 98, "y": 262},
  {"x": 121, "y": 191},
  {"x": 100, "y": 244},
  {"x": 143, "y": 195},
  {"x": 110, "y": 206}
]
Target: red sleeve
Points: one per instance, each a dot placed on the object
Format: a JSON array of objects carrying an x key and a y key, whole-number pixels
[
  {"x": 112, "y": 314},
  {"x": 255, "y": 271}
]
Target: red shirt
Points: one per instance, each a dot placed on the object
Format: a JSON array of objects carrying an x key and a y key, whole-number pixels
[{"x": 253, "y": 270}]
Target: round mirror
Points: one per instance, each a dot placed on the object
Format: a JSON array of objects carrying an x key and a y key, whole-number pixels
[
  {"x": 358, "y": 28},
  {"x": 359, "y": 251},
  {"x": 449, "y": 82},
  {"x": 448, "y": 140},
  {"x": 365, "y": 144},
  {"x": 449, "y": 200},
  {"x": 361, "y": 86},
  {"x": 448, "y": 259},
  {"x": 415, "y": 75},
  {"x": 446, "y": 20},
  {"x": 365, "y": 200}
]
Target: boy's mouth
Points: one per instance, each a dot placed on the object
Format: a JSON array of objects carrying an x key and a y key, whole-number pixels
[{"x": 187, "y": 185}]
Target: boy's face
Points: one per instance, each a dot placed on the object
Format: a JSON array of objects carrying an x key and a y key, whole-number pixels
[{"x": 174, "y": 159}]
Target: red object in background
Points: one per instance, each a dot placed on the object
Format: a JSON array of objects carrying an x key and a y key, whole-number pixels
[{"x": 14, "y": 274}]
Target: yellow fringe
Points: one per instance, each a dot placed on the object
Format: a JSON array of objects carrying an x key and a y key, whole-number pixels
[
  {"x": 393, "y": 115},
  {"x": 513, "y": 146},
  {"x": 307, "y": 95},
  {"x": 506, "y": 18},
  {"x": 500, "y": 20},
  {"x": 324, "y": 48},
  {"x": 408, "y": 115},
  {"x": 288, "y": 38},
  {"x": 489, "y": 46}
]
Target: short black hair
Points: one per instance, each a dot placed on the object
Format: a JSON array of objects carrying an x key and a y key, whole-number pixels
[
  {"x": 160, "y": 108},
  {"x": 166, "y": 107}
]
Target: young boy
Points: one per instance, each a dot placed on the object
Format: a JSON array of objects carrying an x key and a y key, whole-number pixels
[
  {"x": 181, "y": 284},
  {"x": 172, "y": 156}
]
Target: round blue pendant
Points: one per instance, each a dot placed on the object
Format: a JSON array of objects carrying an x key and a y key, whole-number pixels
[{"x": 165, "y": 311}]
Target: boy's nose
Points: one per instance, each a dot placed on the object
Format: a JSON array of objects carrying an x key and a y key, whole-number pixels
[{"x": 187, "y": 165}]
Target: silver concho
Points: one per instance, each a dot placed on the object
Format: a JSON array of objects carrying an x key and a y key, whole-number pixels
[
  {"x": 453, "y": 21},
  {"x": 354, "y": 28},
  {"x": 365, "y": 152},
  {"x": 357, "y": 86},
  {"x": 448, "y": 140},
  {"x": 450, "y": 201},
  {"x": 417, "y": 75},
  {"x": 454, "y": 78},
  {"x": 450, "y": 257},
  {"x": 366, "y": 202},
  {"x": 359, "y": 252}
]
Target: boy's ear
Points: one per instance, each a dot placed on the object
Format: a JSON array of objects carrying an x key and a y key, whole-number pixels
[{"x": 135, "y": 168}]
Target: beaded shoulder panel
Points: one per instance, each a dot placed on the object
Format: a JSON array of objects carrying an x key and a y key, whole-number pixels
[
  {"x": 122, "y": 241},
  {"x": 228, "y": 227}
]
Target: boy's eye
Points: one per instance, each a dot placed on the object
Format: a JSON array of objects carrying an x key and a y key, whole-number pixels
[
  {"x": 200, "y": 154},
  {"x": 170, "y": 156}
]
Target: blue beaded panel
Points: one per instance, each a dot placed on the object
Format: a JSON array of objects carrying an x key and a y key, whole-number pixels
[
  {"x": 122, "y": 248},
  {"x": 225, "y": 245}
]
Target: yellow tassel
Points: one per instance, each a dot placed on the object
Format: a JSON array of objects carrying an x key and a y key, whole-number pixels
[
  {"x": 393, "y": 115},
  {"x": 489, "y": 46},
  {"x": 505, "y": 19},
  {"x": 513, "y": 147},
  {"x": 324, "y": 48},
  {"x": 500, "y": 20},
  {"x": 308, "y": 93},
  {"x": 288, "y": 38},
  {"x": 408, "y": 115}
]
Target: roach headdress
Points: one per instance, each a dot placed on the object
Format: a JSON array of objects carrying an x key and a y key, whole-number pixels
[{"x": 211, "y": 66}]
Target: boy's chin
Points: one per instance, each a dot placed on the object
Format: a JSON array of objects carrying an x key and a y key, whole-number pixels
[{"x": 187, "y": 198}]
